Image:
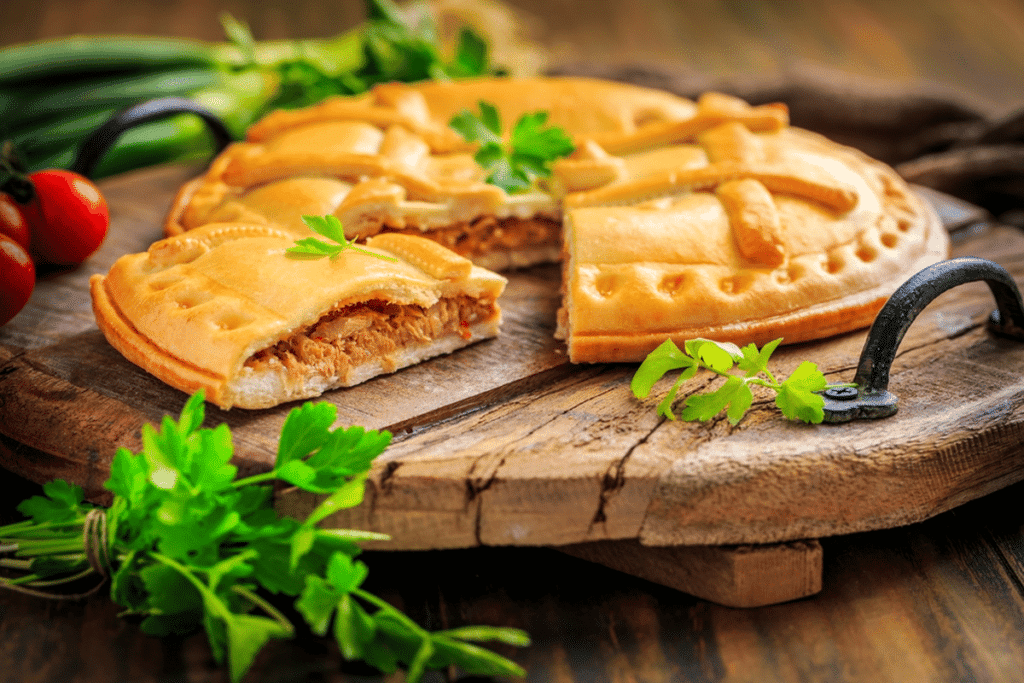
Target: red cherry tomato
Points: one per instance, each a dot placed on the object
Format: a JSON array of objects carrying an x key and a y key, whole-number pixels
[
  {"x": 17, "y": 278},
  {"x": 13, "y": 221},
  {"x": 68, "y": 217}
]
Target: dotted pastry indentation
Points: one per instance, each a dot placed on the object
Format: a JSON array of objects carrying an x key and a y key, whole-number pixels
[
  {"x": 788, "y": 275},
  {"x": 231, "y": 320},
  {"x": 867, "y": 253},
  {"x": 672, "y": 284},
  {"x": 606, "y": 285},
  {"x": 192, "y": 298},
  {"x": 736, "y": 284}
]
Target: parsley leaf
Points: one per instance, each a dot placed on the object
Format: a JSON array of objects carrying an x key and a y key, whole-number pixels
[
  {"x": 527, "y": 157},
  {"x": 331, "y": 228},
  {"x": 189, "y": 545},
  {"x": 798, "y": 396}
]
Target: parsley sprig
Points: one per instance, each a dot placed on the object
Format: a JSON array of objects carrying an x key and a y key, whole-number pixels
[
  {"x": 797, "y": 396},
  {"x": 393, "y": 44},
  {"x": 530, "y": 151},
  {"x": 188, "y": 544},
  {"x": 331, "y": 228}
]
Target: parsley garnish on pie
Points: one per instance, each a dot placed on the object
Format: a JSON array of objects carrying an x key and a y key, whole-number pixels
[
  {"x": 331, "y": 228},
  {"x": 528, "y": 155}
]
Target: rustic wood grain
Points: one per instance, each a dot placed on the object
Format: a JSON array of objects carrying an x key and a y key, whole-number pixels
[
  {"x": 734, "y": 576},
  {"x": 532, "y": 451}
]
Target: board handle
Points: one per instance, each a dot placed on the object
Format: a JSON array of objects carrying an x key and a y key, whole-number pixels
[
  {"x": 103, "y": 138},
  {"x": 870, "y": 397}
]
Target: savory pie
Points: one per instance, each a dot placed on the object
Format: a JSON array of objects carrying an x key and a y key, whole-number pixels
[
  {"x": 224, "y": 308},
  {"x": 672, "y": 218}
]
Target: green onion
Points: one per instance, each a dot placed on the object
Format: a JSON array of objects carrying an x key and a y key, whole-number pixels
[
  {"x": 71, "y": 58},
  {"x": 52, "y": 93}
]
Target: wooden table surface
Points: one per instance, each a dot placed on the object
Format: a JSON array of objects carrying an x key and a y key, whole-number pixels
[{"x": 942, "y": 600}]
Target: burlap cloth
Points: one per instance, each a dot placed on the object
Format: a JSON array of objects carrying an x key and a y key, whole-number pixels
[{"x": 933, "y": 135}]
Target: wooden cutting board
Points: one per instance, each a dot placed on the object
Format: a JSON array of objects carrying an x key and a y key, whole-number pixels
[{"x": 506, "y": 443}]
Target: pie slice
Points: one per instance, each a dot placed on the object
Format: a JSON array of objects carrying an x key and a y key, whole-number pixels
[{"x": 223, "y": 308}]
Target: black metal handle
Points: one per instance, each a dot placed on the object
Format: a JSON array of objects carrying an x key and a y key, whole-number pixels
[
  {"x": 870, "y": 397},
  {"x": 103, "y": 138}
]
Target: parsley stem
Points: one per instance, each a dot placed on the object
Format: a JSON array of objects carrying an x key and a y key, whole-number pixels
[
  {"x": 36, "y": 547},
  {"x": 16, "y": 528},
  {"x": 29, "y": 527},
  {"x": 215, "y": 604},
  {"x": 210, "y": 599},
  {"x": 20, "y": 565},
  {"x": 392, "y": 612},
  {"x": 274, "y": 613},
  {"x": 255, "y": 479},
  {"x": 37, "y": 581}
]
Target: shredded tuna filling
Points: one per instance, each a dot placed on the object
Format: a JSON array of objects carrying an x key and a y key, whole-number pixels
[
  {"x": 489, "y": 234},
  {"x": 373, "y": 330}
]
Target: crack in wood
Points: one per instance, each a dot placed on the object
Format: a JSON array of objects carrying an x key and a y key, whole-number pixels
[
  {"x": 615, "y": 478},
  {"x": 476, "y": 486},
  {"x": 384, "y": 483}
]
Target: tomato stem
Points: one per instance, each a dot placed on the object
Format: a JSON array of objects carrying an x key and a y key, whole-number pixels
[{"x": 13, "y": 178}]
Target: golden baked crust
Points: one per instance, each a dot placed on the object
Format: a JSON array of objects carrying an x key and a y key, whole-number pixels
[
  {"x": 217, "y": 307},
  {"x": 782, "y": 234}
]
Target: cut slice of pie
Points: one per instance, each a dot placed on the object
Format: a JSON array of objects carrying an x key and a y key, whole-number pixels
[{"x": 224, "y": 308}]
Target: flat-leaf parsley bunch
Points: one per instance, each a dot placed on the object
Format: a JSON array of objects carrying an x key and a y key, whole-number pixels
[
  {"x": 531, "y": 148},
  {"x": 797, "y": 396},
  {"x": 186, "y": 544}
]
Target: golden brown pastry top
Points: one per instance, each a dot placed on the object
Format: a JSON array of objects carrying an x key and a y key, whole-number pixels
[
  {"x": 214, "y": 296},
  {"x": 782, "y": 235}
]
